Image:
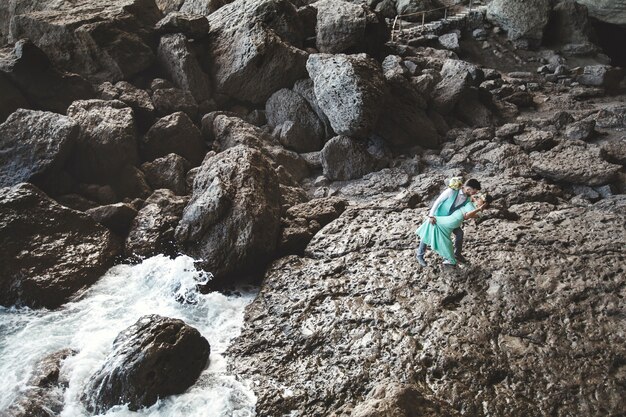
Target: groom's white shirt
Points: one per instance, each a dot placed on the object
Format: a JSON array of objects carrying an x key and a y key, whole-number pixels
[{"x": 460, "y": 198}]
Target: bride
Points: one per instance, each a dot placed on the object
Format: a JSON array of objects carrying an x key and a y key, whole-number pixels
[{"x": 437, "y": 235}]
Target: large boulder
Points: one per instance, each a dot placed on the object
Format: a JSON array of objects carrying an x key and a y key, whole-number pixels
[
  {"x": 34, "y": 144},
  {"x": 348, "y": 27},
  {"x": 349, "y": 90},
  {"x": 569, "y": 27},
  {"x": 345, "y": 158},
  {"x": 108, "y": 42},
  {"x": 253, "y": 47},
  {"x": 152, "y": 230},
  {"x": 182, "y": 66},
  {"x": 27, "y": 70},
  {"x": 154, "y": 358},
  {"x": 456, "y": 79},
  {"x": 168, "y": 172},
  {"x": 522, "y": 19},
  {"x": 48, "y": 251},
  {"x": 139, "y": 100},
  {"x": 177, "y": 134},
  {"x": 107, "y": 141},
  {"x": 232, "y": 222},
  {"x": 609, "y": 11},
  {"x": 410, "y": 9},
  {"x": 286, "y": 106},
  {"x": 576, "y": 164}
]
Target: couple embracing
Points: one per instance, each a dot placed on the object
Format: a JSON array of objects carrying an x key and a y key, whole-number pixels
[{"x": 459, "y": 202}]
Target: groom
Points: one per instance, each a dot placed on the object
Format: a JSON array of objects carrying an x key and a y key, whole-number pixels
[{"x": 447, "y": 203}]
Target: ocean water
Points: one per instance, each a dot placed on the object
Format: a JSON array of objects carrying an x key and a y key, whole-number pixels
[{"x": 90, "y": 324}]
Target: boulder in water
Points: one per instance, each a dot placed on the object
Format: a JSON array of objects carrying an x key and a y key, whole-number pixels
[
  {"x": 49, "y": 252},
  {"x": 155, "y": 357}
]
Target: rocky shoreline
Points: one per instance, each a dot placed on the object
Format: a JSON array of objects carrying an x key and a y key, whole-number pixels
[{"x": 296, "y": 145}]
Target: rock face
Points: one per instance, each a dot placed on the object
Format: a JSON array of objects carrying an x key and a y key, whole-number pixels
[
  {"x": 107, "y": 141},
  {"x": 33, "y": 144},
  {"x": 348, "y": 27},
  {"x": 49, "y": 251},
  {"x": 525, "y": 19},
  {"x": 358, "y": 312},
  {"x": 253, "y": 46},
  {"x": 232, "y": 221},
  {"x": 152, "y": 230},
  {"x": 349, "y": 89},
  {"x": 108, "y": 42},
  {"x": 609, "y": 11},
  {"x": 155, "y": 357}
]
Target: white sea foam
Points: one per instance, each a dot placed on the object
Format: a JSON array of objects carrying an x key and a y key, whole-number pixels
[{"x": 91, "y": 323}]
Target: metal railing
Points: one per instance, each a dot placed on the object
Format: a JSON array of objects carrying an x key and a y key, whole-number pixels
[{"x": 398, "y": 20}]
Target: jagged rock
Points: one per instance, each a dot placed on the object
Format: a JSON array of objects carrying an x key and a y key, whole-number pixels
[
  {"x": 232, "y": 221},
  {"x": 402, "y": 400},
  {"x": 356, "y": 313},
  {"x": 615, "y": 151},
  {"x": 251, "y": 48},
  {"x": 348, "y": 27},
  {"x": 107, "y": 140},
  {"x": 172, "y": 100},
  {"x": 11, "y": 100},
  {"x": 303, "y": 220},
  {"x": 182, "y": 66},
  {"x": 349, "y": 89},
  {"x": 138, "y": 99},
  {"x": 48, "y": 251},
  {"x": 345, "y": 158},
  {"x": 288, "y": 106},
  {"x": 523, "y": 20},
  {"x": 109, "y": 42},
  {"x": 601, "y": 76},
  {"x": 44, "y": 396},
  {"x": 609, "y": 11},
  {"x": 581, "y": 130},
  {"x": 411, "y": 8},
  {"x": 154, "y": 358},
  {"x": 450, "y": 41},
  {"x": 191, "y": 25},
  {"x": 457, "y": 77},
  {"x": 42, "y": 86},
  {"x": 612, "y": 117},
  {"x": 202, "y": 7},
  {"x": 509, "y": 129},
  {"x": 169, "y": 6},
  {"x": 167, "y": 172},
  {"x": 34, "y": 144},
  {"x": 535, "y": 140},
  {"x": 575, "y": 164},
  {"x": 177, "y": 134},
  {"x": 152, "y": 230},
  {"x": 306, "y": 89},
  {"x": 115, "y": 217}
]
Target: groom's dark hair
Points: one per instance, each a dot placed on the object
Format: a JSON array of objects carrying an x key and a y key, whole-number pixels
[{"x": 473, "y": 183}]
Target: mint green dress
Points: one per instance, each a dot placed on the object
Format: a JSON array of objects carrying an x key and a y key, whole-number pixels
[{"x": 437, "y": 235}]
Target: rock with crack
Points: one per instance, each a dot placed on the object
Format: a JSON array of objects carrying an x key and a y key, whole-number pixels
[
  {"x": 49, "y": 251},
  {"x": 232, "y": 221}
]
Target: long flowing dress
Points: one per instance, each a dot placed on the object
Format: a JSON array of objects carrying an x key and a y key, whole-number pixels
[{"x": 437, "y": 235}]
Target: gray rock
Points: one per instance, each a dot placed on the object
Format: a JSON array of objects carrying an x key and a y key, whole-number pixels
[
  {"x": 109, "y": 42},
  {"x": 167, "y": 172},
  {"x": 177, "y": 134},
  {"x": 288, "y": 106},
  {"x": 115, "y": 217},
  {"x": 601, "y": 76},
  {"x": 171, "y": 100},
  {"x": 581, "y": 130},
  {"x": 535, "y": 140},
  {"x": 49, "y": 252},
  {"x": 457, "y": 77},
  {"x": 609, "y": 11},
  {"x": 182, "y": 66},
  {"x": 574, "y": 164},
  {"x": 169, "y": 6},
  {"x": 523, "y": 20},
  {"x": 450, "y": 41},
  {"x": 570, "y": 26},
  {"x": 107, "y": 140},
  {"x": 348, "y": 27},
  {"x": 34, "y": 144},
  {"x": 306, "y": 89},
  {"x": 191, "y": 25},
  {"x": 146, "y": 363},
  {"x": 233, "y": 219},
  {"x": 28, "y": 70},
  {"x": 614, "y": 151},
  {"x": 152, "y": 230},
  {"x": 349, "y": 89},
  {"x": 138, "y": 99},
  {"x": 202, "y": 7},
  {"x": 509, "y": 129},
  {"x": 411, "y": 8},
  {"x": 345, "y": 158},
  {"x": 251, "y": 49}
]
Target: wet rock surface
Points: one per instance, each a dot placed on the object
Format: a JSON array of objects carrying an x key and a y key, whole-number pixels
[
  {"x": 49, "y": 251},
  {"x": 154, "y": 358}
]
